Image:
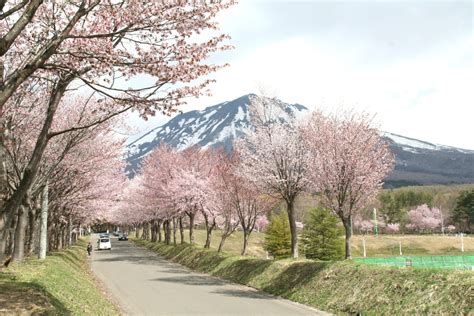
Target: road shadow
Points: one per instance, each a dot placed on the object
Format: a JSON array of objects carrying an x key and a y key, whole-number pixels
[
  {"x": 174, "y": 270},
  {"x": 192, "y": 280},
  {"x": 244, "y": 293}
]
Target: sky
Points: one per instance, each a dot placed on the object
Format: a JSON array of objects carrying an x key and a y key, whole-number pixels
[{"x": 410, "y": 63}]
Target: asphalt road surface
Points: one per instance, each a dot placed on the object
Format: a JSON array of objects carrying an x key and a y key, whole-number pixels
[{"x": 145, "y": 284}]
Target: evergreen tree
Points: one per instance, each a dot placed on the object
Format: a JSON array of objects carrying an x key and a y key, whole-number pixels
[
  {"x": 278, "y": 236},
  {"x": 321, "y": 238},
  {"x": 463, "y": 213}
]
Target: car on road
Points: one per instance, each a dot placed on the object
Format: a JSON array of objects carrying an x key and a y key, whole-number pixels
[
  {"x": 104, "y": 244},
  {"x": 104, "y": 235},
  {"x": 122, "y": 237}
]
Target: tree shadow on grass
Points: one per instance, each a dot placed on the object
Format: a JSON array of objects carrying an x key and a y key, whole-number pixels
[
  {"x": 205, "y": 261},
  {"x": 294, "y": 277},
  {"x": 27, "y": 298},
  {"x": 244, "y": 270}
]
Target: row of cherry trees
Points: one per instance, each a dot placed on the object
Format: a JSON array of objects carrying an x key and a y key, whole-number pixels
[
  {"x": 75, "y": 176},
  {"x": 178, "y": 189},
  {"x": 67, "y": 71},
  {"x": 341, "y": 157}
]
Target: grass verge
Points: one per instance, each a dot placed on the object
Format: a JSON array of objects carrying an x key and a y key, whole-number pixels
[
  {"x": 62, "y": 284},
  {"x": 339, "y": 287}
]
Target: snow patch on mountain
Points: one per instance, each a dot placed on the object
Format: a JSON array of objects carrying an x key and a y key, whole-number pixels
[{"x": 417, "y": 162}]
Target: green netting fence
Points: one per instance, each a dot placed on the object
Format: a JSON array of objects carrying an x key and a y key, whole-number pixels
[{"x": 446, "y": 262}]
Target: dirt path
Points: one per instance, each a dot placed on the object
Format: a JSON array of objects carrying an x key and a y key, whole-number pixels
[{"x": 146, "y": 284}]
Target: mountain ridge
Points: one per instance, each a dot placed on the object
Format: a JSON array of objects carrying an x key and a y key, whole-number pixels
[{"x": 418, "y": 162}]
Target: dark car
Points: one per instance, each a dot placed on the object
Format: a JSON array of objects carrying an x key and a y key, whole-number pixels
[{"x": 122, "y": 237}]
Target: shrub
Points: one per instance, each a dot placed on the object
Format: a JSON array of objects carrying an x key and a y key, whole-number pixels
[
  {"x": 278, "y": 236},
  {"x": 321, "y": 238}
]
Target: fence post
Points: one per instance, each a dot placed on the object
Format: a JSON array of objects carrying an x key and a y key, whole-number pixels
[
  {"x": 462, "y": 242},
  {"x": 363, "y": 247},
  {"x": 400, "y": 247}
]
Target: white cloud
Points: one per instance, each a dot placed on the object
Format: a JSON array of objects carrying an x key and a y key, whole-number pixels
[{"x": 421, "y": 90}]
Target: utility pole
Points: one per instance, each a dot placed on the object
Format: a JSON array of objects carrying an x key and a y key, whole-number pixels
[
  {"x": 376, "y": 229},
  {"x": 43, "y": 242}
]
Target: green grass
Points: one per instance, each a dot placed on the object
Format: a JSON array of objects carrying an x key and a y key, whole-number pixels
[
  {"x": 446, "y": 262},
  {"x": 339, "y": 287},
  {"x": 62, "y": 284}
]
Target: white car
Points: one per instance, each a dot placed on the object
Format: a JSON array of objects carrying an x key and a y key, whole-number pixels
[{"x": 104, "y": 244}]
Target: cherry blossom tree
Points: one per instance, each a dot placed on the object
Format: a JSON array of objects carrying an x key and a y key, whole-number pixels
[
  {"x": 349, "y": 162},
  {"x": 274, "y": 157},
  {"x": 393, "y": 228},
  {"x": 423, "y": 218},
  {"x": 54, "y": 46},
  {"x": 70, "y": 162},
  {"x": 261, "y": 223},
  {"x": 249, "y": 203},
  {"x": 222, "y": 190}
]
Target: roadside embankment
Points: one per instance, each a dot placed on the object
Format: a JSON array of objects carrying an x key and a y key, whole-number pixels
[
  {"x": 62, "y": 284},
  {"x": 339, "y": 287}
]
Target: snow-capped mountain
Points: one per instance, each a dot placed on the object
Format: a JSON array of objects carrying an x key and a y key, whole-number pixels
[
  {"x": 215, "y": 126},
  {"x": 417, "y": 162}
]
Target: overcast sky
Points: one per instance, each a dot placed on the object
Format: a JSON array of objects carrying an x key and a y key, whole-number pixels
[{"x": 409, "y": 62}]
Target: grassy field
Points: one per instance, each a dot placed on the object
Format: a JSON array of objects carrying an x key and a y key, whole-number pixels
[
  {"x": 62, "y": 284},
  {"x": 388, "y": 245},
  {"x": 380, "y": 246},
  {"x": 339, "y": 287}
]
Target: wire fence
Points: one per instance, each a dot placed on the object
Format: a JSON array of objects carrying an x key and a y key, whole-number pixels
[{"x": 444, "y": 262}]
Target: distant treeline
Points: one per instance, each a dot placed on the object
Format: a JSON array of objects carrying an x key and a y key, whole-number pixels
[{"x": 455, "y": 203}]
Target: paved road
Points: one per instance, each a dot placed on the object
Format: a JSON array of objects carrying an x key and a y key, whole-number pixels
[{"x": 145, "y": 284}]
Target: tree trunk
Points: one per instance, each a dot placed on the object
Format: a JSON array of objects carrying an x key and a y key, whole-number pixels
[
  {"x": 3, "y": 244},
  {"x": 31, "y": 231},
  {"x": 19, "y": 243},
  {"x": 208, "y": 238},
  {"x": 137, "y": 233},
  {"x": 221, "y": 244},
  {"x": 294, "y": 232},
  {"x": 167, "y": 228},
  {"x": 191, "y": 227},
  {"x": 160, "y": 238},
  {"x": 69, "y": 232},
  {"x": 144, "y": 231},
  {"x": 209, "y": 228},
  {"x": 246, "y": 242},
  {"x": 153, "y": 231},
  {"x": 347, "y": 228},
  {"x": 4, "y": 220},
  {"x": 181, "y": 230},
  {"x": 174, "y": 231},
  {"x": 5, "y": 225}
]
